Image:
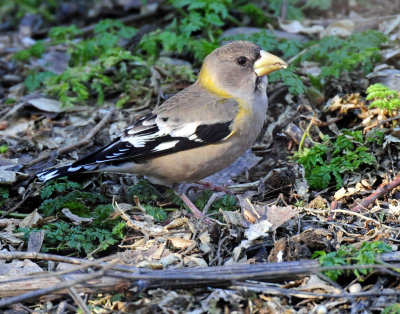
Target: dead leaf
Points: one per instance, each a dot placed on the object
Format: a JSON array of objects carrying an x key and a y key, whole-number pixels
[
  {"x": 31, "y": 220},
  {"x": 17, "y": 128},
  {"x": 343, "y": 28},
  {"x": 179, "y": 243},
  {"x": 9, "y": 224},
  {"x": 254, "y": 232},
  {"x": 75, "y": 219},
  {"x": 176, "y": 223},
  {"x": 275, "y": 215},
  {"x": 14, "y": 239},
  {"x": 18, "y": 268},
  {"x": 394, "y": 207},
  {"x": 231, "y": 218},
  {"x": 35, "y": 241},
  {"x": 342, "y": 193},
  {"x": 279, "y": 215},
  {"x": 318, "y": 203},
  {"x": 46, "y": 104},
  {"x": 296, "y": 27},
  {"x": 317, "y": 285},
  {"x": 194, "y": 261}
]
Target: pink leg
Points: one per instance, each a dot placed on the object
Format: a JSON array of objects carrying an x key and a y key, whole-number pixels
[
  {"x": 212, "y": 187},
  {"x": 196, "y": 212}
]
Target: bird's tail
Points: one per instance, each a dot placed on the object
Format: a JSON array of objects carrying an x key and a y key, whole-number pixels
[{"x": 54, "y": 173}]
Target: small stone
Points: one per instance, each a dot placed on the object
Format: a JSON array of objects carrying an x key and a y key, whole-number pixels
[
  {"x": 7, "y": 177},
  {"x": 321, "y": 309},
  {"x": 355, "y": 288}
]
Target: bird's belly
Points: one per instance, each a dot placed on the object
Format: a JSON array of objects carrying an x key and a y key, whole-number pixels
[{"x": 191, "y": 165}]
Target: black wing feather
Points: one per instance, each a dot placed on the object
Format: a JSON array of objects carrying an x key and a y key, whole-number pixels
[{"x": 211, "y": 133}]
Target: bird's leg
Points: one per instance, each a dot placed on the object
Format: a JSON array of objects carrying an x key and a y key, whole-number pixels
[
  {"x": 180, "y": 191},
  {"x": 205, "y": 185}
]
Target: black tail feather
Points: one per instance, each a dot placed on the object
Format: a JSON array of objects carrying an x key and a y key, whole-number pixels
[{"x": 54, "y": 173}]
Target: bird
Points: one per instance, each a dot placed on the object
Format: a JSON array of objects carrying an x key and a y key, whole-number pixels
[{"x": 198, "y": 131}]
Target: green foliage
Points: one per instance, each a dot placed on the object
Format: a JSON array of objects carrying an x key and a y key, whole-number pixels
[
  {"x": 10, "y": 101},
  {"x": 62, "y": 34},
  {"x": 60, "y": 235},
  {"x": 375, "y": 136},
  {"x": 107, "y": 34},
  {"x": 318, "y": 4},
  {"x": 203, "y": 16},
  {"x": 99, "y": 235},
  {"x": 227, "y": 202},
  {"x": 148, "y": 196},
  {"x": 255, "y": 13},
  {"x": 36, "y": 50},
  {"x": 145, "y": 191},
  {"x": 14, "y": 10},
  {"x": 4, "y": 194},
  {"x": 61, "y": 185},
  {"x": 331, "y": 159},
  {"x": 350, "y": 255},
  {"x": 67, "y": 194},
  {"x": 34, "y": 80},
  {"x": 91, "y": 62},
  {"x": 337, "y": 55},
  {"x": 392, "y": 309},
  {"x": 99, "y": 64},
  {"x": 290, "y": 79},
  {"x": 3, "y": 148},
  {"x": 77, "y": 83},
  {"x": 293, "y": 12},
  {"x": 383, "y": 98},
  {"x": 156, "y": 212}
]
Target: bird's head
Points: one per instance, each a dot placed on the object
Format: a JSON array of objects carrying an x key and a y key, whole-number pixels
[{"x": 238, "y": 69}]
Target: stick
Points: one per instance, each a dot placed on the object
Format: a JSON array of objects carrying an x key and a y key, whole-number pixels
[
  {"x": 51, "y": 289},
  {"x": 381, "y": 190},
  {"x": 273, "y": 290},
  {"x": 215, "y": 276}
]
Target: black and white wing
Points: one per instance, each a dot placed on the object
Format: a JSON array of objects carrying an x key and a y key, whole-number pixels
[{"x": 151, "y": 136}]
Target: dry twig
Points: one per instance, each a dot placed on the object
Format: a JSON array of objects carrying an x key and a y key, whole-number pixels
[{"x": 384, "y": 188}]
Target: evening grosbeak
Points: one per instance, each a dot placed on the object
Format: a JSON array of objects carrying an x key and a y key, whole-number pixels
[{"x": 199, "y": 131}]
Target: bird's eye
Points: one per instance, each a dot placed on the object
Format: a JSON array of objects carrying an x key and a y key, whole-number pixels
[{"x": 241, "y": 60}]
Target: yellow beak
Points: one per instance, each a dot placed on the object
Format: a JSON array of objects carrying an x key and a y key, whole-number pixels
[{"x": 268, "y": 63}]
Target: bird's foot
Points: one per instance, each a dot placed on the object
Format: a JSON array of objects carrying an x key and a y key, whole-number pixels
[{"x": 205, "y": 185}]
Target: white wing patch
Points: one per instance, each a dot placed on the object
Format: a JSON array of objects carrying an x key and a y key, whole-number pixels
[
  {"x": 48, "y": 176},
  {"x": 90, "y": 167},
  {"x": 165, "y": 146},
  {"x": 187, "y": 130},
  {"x": 164, "y": 128},
  {"x": 114, "y": 155},
  {"x": 137, "y": 140},
  {"x": 73, "y": 169}
]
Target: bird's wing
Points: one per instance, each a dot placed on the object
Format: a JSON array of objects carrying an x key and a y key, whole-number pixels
[{"x": 160, "y": 132}]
